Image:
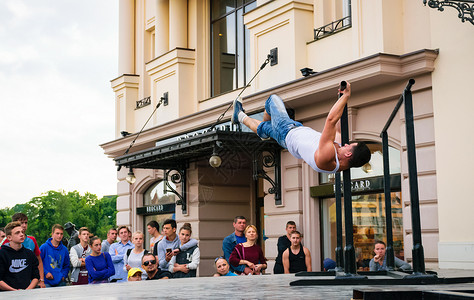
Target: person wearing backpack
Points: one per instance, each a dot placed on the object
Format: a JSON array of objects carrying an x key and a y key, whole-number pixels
[{"x": 133, "y": 257}]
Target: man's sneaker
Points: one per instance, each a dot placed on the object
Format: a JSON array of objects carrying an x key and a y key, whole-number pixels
[{"x": 237, "y": 108}]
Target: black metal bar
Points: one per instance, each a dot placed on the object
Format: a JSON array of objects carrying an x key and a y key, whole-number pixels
[
  {"x": 339, "y": 251},
  {"x": 389, "y": 253},
  {"x": 417, "y": 251},
  {"x": 277, "y": 168},
  {"x": 349, "y": 250},
  {"x": 397, "y": 107}
]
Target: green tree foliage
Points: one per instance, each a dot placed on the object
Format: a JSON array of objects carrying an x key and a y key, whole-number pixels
[{"x": 59, "y": 207}]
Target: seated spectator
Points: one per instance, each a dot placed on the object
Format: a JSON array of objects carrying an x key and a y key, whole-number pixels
[
  {"x": 55, "y": 258},
  {"x": 329, "y": 264},
  {"x": 135, "y": 274},
  {"x": 283, "y": 244},
  {"x": 111, "y": 237},
  {"x": 297, "y": 258},
  {"x": 223, "y": 268},
  {"x": 236, "y": 237},
  {"x": 77, "y": 255},
  {"x": 18, "y": 265},
  {"x": 154, "y": 230},
  {"x": 169, "y": 245},
  {"x": 185, "y": 263},
  {"x": 133, "y": 257},
  {"x": 99, "y": 264},
  {"x": 150, "y": 265},
  {"x": 379, "y": 262},
  {"x": 249, "y": 253}
]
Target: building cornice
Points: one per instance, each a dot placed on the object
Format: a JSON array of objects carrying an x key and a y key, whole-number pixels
[{"x": 365, "y": 73}]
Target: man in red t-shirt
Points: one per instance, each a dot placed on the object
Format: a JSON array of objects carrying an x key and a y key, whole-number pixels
[{"x": 29, "y": 243}]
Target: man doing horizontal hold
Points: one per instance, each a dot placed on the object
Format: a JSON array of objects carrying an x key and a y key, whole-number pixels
[{"x": 320, "y": 150}]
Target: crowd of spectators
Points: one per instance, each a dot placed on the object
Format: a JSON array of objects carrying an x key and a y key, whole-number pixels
[{"x": 171, "y": 254}]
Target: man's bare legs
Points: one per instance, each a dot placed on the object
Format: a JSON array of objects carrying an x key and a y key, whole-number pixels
[{"x": 251, "y": 123}]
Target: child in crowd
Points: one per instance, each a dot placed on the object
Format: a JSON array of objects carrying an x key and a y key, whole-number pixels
[{"x": 223, "y": 268}]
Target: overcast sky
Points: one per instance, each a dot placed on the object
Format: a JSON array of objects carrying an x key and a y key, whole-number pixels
[{"x": 57, "y": 58}]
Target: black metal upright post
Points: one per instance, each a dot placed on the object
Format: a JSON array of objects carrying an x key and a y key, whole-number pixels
[
  {"x": 349, "y": 250},
  {"x": 339, "y": 251},
  {"x": 389, "y": 253},
  {"x": 417, "y": 251}
]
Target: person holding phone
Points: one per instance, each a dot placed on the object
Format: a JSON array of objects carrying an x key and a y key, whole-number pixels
[{"x": 169, "y": 246}]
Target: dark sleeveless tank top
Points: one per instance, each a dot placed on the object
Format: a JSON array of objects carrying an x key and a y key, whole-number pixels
[{"x": 297, "y": 262}]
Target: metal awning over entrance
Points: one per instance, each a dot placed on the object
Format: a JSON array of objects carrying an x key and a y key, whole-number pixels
[
  {"x": 174, "y": 157},
  {"x": 195, "y": 148}
]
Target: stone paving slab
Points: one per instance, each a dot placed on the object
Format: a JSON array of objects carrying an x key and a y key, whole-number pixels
[{"x": 241, "y": 287}]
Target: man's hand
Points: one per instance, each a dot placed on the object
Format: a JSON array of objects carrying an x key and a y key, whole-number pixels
[
  {"x": 175, "y": 252},
  {"x": 41, "y": 284},
  {"x": 83, "y": 262},
  {"x": 128, "y": 267},
  {"x": 378, "y": 259},
  {"x": 168, "y": 256},
  {"x": 346, "y": 91},
  {"x": 49, "y": 276}
]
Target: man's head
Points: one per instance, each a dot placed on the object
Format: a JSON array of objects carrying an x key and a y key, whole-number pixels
[
  {"x": 2, "y": 233},
  {"x": 112, "y": 235},
  {"x": 290, "y": 227},
  {"x": 134, "y": 274},
  {"x": 153, "y": 227},
  {"x": 329, "y": 264},
  {"x": 169, "y": 227},
  {"x": 57, "y": 233},
  {"x": 14, "y": 232},
  {"x": 295, "y": 238},
  {"x": 379, "y": 248},
  {"x": 22, "y": 218},
  {"x": 240, "y": 223},
  {"x": 123, "y": 234},
  {"x": 360, "y": 155},
  {"x": 149, "y": 263},
  {"x": 84, "y": 235}
]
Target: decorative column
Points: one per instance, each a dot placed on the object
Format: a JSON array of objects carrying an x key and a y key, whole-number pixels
[
  {"x": 126, "y": 37},
  {"x": 178, "y": 29},
  {"x": 162, "y": 27}
]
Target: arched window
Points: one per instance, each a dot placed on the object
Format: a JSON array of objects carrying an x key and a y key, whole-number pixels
[{"x": 157, "y": 206}]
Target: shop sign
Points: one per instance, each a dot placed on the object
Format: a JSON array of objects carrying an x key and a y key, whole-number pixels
[
  {"x": 156, "y": 209},
  {"x": 365, "y": 185}
]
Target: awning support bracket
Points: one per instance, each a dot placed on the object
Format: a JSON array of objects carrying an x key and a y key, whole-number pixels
[
  {"x": 177, "y": 176},
  {"x": 269, "y": 159}
]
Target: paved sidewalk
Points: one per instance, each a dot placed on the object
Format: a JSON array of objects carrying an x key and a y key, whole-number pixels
[{"x": 241, "y": 287}]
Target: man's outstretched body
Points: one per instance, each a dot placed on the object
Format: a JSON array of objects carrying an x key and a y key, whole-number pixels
[{"x": 317, "y": 149}]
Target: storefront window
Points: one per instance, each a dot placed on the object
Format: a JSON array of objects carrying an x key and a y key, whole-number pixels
[
  {"x": 369, "y": 225},
  {"x": 158, "y": 206}
]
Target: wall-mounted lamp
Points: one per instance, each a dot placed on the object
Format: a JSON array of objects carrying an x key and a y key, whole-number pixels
[
  {"x": 215, "y": 161},
  {"x": 367, "y": 168},
  {"x": 130, "y": 176},
  {"x": 164, "y": 99},
  {"x": 307, "y": 71}
]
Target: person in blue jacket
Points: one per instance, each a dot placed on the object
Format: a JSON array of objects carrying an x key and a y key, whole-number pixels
[
  {"x": 55, "y": 258},
  {"x": 236, "y": 237},
  {"x": 99, "y": 264}
]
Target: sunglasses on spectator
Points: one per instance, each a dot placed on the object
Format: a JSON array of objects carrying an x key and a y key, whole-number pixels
[
  {"x": 217, "y": 258},
  {"x": 148, "y": 262}
]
